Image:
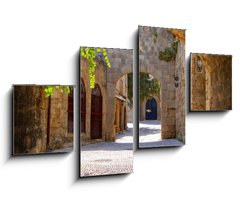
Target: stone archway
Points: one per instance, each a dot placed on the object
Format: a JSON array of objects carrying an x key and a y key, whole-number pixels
[
  {"x": 165, "y": 73},
  {"x": 121, "y": 64}
]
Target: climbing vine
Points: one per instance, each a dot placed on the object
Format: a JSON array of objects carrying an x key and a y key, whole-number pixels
[
  {"x": 49, "y": 90},
  {"x": 169, "y": 53},
  {"x": 91, "y": 54},
  {"x": 148, "y": 87}
]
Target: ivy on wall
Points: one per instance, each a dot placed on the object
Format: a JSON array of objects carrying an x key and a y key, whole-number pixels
[
  {"x": 91, "y": 55},
  {"x": 169, "y": 53},
  {"x": 148, "y": 87},
  {"x": 49, "y": 90}
]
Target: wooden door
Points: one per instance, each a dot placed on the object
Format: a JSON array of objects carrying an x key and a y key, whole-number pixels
[
  {"x": 96, "y": 113},
  {"x": 151, "y": 109}
]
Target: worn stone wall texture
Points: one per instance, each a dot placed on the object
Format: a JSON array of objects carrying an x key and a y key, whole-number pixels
[
  {"x": 106, "y": 78},
  {"x": 152, "y": 40},
  {"x": 31, "y": 119},
  {"x": 58, "y": 119},
  {"x": 211, "y": 87}
]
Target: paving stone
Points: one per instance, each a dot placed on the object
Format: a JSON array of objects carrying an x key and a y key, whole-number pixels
[
  {"x": 150, "y": 135},
  {"x": 105, "y": 158}
]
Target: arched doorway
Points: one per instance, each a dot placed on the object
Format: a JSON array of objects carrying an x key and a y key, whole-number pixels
[
  {"x": 83, "y": 107},
  {"x": 96, "y": 113},
  {"x": 151, "y": 109}
]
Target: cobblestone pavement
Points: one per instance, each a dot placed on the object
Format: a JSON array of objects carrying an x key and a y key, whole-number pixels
[
  {"x": 150, "y": 136},
  {"x": 105, "y": 158}
]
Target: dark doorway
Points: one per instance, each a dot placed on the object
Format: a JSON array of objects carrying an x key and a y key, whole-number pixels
[
  {"x": 83, "y": 107},
  {"x": 96, "y": 113},
  {"x": 151, "y": 109},
  {"x": 70, "y": 111}
]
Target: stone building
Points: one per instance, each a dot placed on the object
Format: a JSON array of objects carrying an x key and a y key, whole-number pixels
[
  {"x": 104, "y": 109},
  {"x": 162, "y": 54},
  {"x": 211, "y": 82},
  {"x": 42, "y": 124}
]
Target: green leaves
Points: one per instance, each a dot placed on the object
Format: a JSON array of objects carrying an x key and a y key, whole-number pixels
[
  {"x": 169, "y": 54},
  {"x": 90, "y": 55},
  {"x": 148, "y": 87},
  {"x": 67, "y": 89},
  {"x": 49, "y": 90},
  {"x": 106, "y": 58}
]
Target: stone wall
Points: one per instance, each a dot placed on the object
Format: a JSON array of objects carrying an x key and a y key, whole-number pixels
[
  {"x": 198, "y": 86},
  {"x": 31, "y": 120},
  {"x": 58, "y": 119},
  {"x": 211, "y": 87},
  {"x": 152, "y": 40}
]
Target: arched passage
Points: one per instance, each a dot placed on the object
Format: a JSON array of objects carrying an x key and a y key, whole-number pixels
[
  {"x": 123, "y": 109},
  {"x": 96, "y": 113},
  {"x": 151, "y": 109}
]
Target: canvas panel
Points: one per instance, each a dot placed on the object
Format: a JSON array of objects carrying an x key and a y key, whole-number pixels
[
  {"x": 161, "y": 87},
  {"x": 106, "y": 145},
  {"x": 211, "y": 82},
  {"x": 43, "y": 119}
]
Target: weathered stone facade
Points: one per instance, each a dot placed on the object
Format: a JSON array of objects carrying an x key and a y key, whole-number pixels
[
  {"x": 40, "y": 122},
  {"x": 211, "y": 82},
  {"x": 170, "y": 73},
  {"x": 106, "y": 80}
]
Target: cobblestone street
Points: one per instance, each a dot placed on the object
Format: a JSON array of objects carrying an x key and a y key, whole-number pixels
[
  {"x": 105, "y": 158},
  {"x": 150, "y": 136}
]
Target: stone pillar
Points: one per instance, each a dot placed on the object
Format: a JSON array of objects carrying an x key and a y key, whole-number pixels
[
  {"x": 180, "y": 93},
  {"x": 110, "y": 102},
  {"x": 168, "y": 102}
]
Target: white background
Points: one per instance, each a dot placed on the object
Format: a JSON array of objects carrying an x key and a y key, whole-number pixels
[{"x": 39, "y": 43}]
